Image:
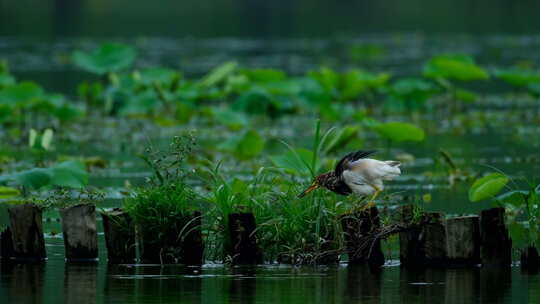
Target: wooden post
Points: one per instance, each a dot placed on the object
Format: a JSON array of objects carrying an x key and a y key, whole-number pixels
[
  {"x": 411, "y": 244},
  {"x": 358, "y": 229},
  {"x": 119, "y": 237},
  {"x": 496, "y": 245},
  {"x": 6, "y": 244},
  {"x": 27, "y": 232},
  {"x": 530, "y": 259},
  {"x": 80, "y": 235},
  {"x": 242, "y": 238},
  {"x": 149, "y": 246},
  {"x": 434, "y": 234},
  {"x": 463, "y": 240},
  {"x": 424, "y": 242},
  {"x": 181, "y": 244},
  {"x": 192, "y": 246}
]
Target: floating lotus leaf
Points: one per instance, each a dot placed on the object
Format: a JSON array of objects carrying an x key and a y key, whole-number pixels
[
  {"x": 400, "y": 131},
  {"x": 487, "y": 186},
  {"x": 455, "y": 67},
  {"x": 109, "y": 57}
]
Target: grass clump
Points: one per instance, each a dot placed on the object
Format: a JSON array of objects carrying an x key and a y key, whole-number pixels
[
  {"x": 164, "y": 209},
  {"x": 299, "y": 231}
]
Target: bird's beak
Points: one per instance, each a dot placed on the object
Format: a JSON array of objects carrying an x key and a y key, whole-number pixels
[{"x": 308, "y": 190}]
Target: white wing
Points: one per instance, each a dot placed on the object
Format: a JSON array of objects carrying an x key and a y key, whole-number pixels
[{"x": 372, "y": 170}]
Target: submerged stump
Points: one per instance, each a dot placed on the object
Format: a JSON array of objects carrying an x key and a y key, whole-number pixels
[
  {"x": 119, "y": 237},
  {"x": 180, "y": 244},
  {"x": 80, "y": 235},
  {"x": 463, "y": 240},
  {"x": 358, "y": 229},
  {"x": 434, "y": 234},
  {"x": 530, "y": 259},
  {"x": 192, "y": 242},
  {"x": 423, "y": 243},
  {"x": 6, "y": 244},
  {"x": 496, "y": 245},
  {"x": 244, "y": 249},
  {"x": 411, "y": 243},
  {"x": 27, "y": 232}
]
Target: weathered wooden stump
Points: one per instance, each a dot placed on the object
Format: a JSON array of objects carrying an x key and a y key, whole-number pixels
[
  {"x": 496, "y": 245},
  {"x": 411, "y": 242},
  {"x": 434, "y": 234},
  {"x": 530, "y": 259},
  {"x": 463, "y": 240},
  {"x": 27, "y": 232},
  {"x": 182, "y": 244},
  {"x": 119, "y": 237},
  {"x": 424, "y": 242},
  {"x": 192, "y": 242},
  {"x": 361, "y": 246},
  {"x": 6, "y": 244},
  {"x": 150, "y": 247},
  {"x": 80, "y": 235},
  {"x": 244, "y": 249}
]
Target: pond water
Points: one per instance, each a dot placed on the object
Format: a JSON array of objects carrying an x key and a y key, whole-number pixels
[
  {"x": 59, "y": 282},
  {"x": 500, "y": 130}
]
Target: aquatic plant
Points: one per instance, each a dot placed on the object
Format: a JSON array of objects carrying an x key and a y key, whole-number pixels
[
  {"x": 70, "y": 174},
  {"x": 487, "y": 187},
  {"x": 395, "y": 132},
  {"x": 448, "y": 69},
  {"x": 244, "y": 146},
  {"x": 524, "y": 214},
  {"x": 28, "y": 103},
  {"x": 164, "y": 210},
  {"x": 410, "y": 94},
  {"x": 107, "y": 58}
]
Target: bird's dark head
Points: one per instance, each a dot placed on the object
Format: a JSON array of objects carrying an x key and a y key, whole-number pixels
[{"x": 319, "y": 181}]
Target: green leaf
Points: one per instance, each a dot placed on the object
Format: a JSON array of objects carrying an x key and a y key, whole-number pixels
[
  {"x": 457, "y": 67},
  {"x": 250, "y": 145},
  {"x": 109, "y": 57},
  {"x": 400, "y": 131},
  {"x": 519, "y": 77},
  {"x": 33, "y": 178},
  {"x": 264, "y": 75},
  {"x": 356, "y": 82},
  {"x": 8, "y": 192},
  {"x": 516, "y": 198},
  {"x": 341, "y": 138},
  {"x": 466, "y": 95},
  {"x": 163, "y": 76},
  {"x": 487, "y": 187},
  {"x": 20, "y": 94},
  {"x": 218, "y": 74},
  {"x": 6, "y": 80},
  {"x": 232, "y": 119},
  {"x": 294, "y": 162},
  {"x": 69, "y": 174}
]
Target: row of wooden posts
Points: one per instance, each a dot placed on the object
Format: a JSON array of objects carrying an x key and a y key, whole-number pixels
[{"x": 428, "y": 240}]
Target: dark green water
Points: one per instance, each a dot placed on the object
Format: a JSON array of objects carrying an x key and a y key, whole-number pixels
[{"x": 37, "y": 37}]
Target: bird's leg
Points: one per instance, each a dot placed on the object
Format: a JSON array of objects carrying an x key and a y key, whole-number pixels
[{"x": 371, "y": 202}]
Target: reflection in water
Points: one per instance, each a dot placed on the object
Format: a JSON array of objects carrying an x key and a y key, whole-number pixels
[
  {"x": 243, "y": 287},
  {"x": 494, "y": 284},
  {"x": 363, "y": 285},
  {"x": 118, "y": 285},
  {"x": 80, "y": 283},
  {"x": 462, "y": 286},
  {"x": 21, "y": 283},
  {"x": 87, "y": 283}
]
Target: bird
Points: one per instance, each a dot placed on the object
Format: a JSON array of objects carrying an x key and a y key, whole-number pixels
[{"x": 357, "y": 174}]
